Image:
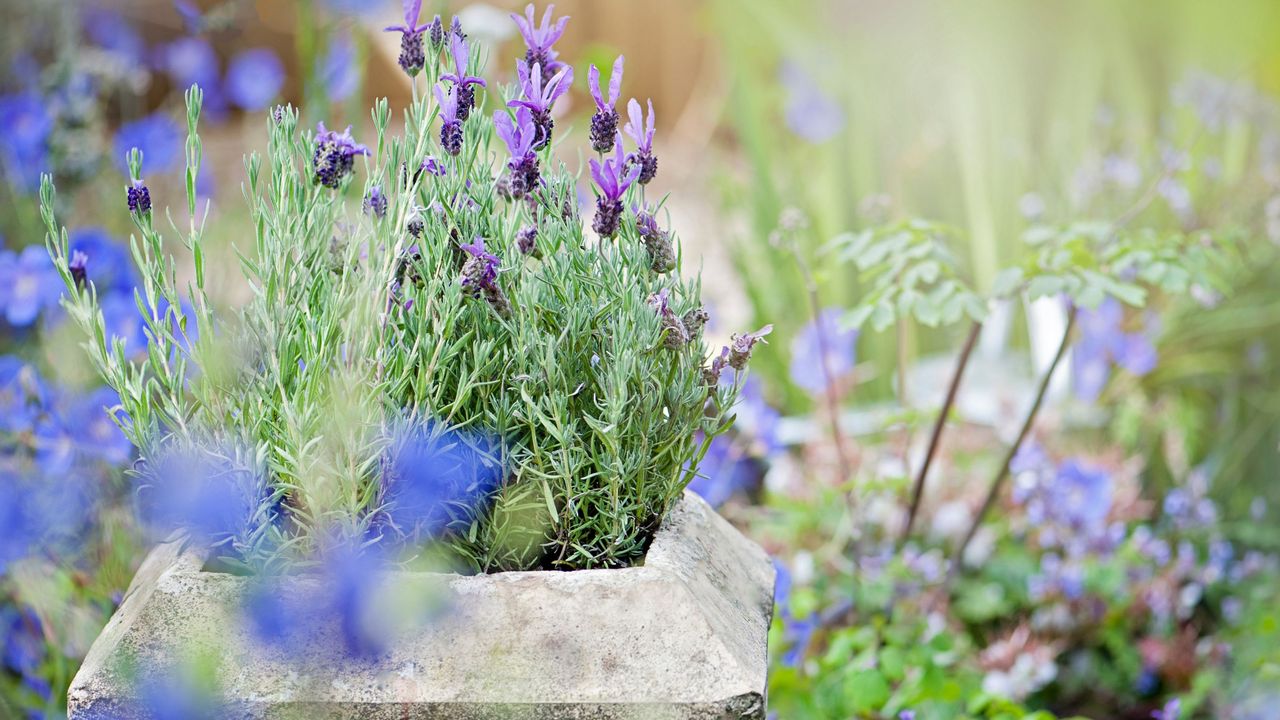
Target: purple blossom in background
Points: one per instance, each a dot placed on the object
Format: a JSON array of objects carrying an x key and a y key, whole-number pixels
[
  {"x": 436, "y": 477},
  {"x": 641, "y": 131},
  {"x": 724, "y": 471},
  {"x": 335, "y": 155},
  {"x": 907, "y": 715},
  {"x": 123, "y": 321},
  {"x": 538, "y": 39},
  {"x": 1103, "y": 342},
  {"x": 18, "y": 409},
  {"x": 1172, "y": 710},
  {"x": 174, "y": 696},
  {"x": 613, "y": 181},
  {"x": 192, "y": 18},
  {"x": 157, "y": 137},
  {"x": 18, "y": 529},
  {"x": 450, "y": 121},
  {"x": 28, "y": 284},
  {"x": 111, "y": 32},
  {"x": 604, "y": 123},
  {"x": 463, "y": 82},
  {"x": 339, "y": 71},
  {"x": 810, "y": 114},
  {"x": 523, "y": 175},
  {"x": 353, "y": 7},
  {"x": 25, "y": 124},
  {"x": 93, "y": 429},
  {"x": 254, "y": 79},
  {"x": 539, "y": 97},
  {"x": 823, "y": 346},
  {"x": 192, "y": 61},
  {"x": 24, "y": 646},
  {"x": 413, "y": 56}
]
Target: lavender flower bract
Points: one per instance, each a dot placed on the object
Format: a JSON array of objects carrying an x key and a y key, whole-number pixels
[
  {"x": 539, "y": 98},
  {"x": 674, "y": 334},
  {"x": 462, "y": 82},
  {"x": 480, "y": 277},
  {"x": 523, "y": 175},
  {"x": 413, "y": 57},
  {"x": 375, "y": 203},
  {"x": 604, "y": 124},
  {"x": 335, "y": 154},
  {"x": 450, "y": 121},
  {"x": 657, "y": 243},
  {"x": 641, "y": 130},
  {"x": 613, "y": 181},
  {"x": 538, "y": 39}
]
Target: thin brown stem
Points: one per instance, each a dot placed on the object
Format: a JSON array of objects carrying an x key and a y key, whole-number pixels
[
  {"x": 997, "y": 483},
  {"x": 917, "y": 491}
]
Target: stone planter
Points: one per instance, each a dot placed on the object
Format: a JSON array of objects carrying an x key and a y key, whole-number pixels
[{"x": 681, "y": 636}]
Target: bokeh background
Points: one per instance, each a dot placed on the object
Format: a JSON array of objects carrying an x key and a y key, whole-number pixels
[{"x": 781, "y": 126}]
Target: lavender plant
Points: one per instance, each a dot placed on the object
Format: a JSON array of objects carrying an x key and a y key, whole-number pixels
[{"x": 554, "y": 381}]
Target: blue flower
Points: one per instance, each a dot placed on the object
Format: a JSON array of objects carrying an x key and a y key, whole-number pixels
[
  {"x": 17, "y": 536},
  {"x": 18, "y": 412},
  {"x": 1081, "y": 496},
  {"x": 254, "y": 78},
  {"x": 192, "y": 61},
  {"x": 55, "y": 446},
  {"x": 1172, "y": 710},
  {"x": 157, "y": 136},
  {"x": 823, "y": 339},
  {"x": 110, "y": 264},
  {"x": 26, "y": 124},
  {"x": 116, "y": 35},
  {"x": 24, "y": 647},
  {"x": 209, "y": 492},
  {"x": 122, "y": 319},
  {"x": 338, "y": 70},
  {"x": 436, "y": 477},
  {"x": 1103, "y": 342},
  {"x": 725, "y": 471},
  {"x": 28, "y": 284},
  {"x": 93, "y": 429},
  {"x": 810, "y": 113}
]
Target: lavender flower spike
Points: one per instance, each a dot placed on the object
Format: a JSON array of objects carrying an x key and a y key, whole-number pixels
[
  {"x": 674, "y": 333},
  {"x": 604, "y": 124},
  {"x": 335, "y": 155},
  {"x": 641, "y": 131},
  {"x": 480, "y": 277},
  {"x": 139, "y": 198},
  {"x": 539, "y": 98},
  {"x": 539, "y": 39},
  {"x": 740, "y": 347},
  {"x": 451, "y": 127},
  {"x": 614, "y": 181},
  {"x": 523, "y": 175},
  {"x": 435, "y": 33},
  {"x": 657, "y": 242},
  {"x": 413, "y": 56},
  {"x": 460, "y": 78},
  {"x": 79, "y": 267}
]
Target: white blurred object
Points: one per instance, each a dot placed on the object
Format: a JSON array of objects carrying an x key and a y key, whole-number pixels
[
  {"x": 1046, "y": 321},
  {"x": 486, "y": 24}
]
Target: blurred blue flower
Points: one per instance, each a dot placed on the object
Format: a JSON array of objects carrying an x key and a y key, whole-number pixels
[
  {"x": 435, "y": 476},
  {"x": 353, "y": 7},
  {"x": 26, "y": 124},
  {"x": 339, "y": 72},
  {"x": 18, "y": 412},
  {"x": 110, "y": 264},
  {"x": 24, "y": 647},
  {"x": 122, "y": 319},
  {"x": 824, "y": 338},
  {"x": 158, "y": 137},
  {"x": 55, "y": 446},
  {"x": 1172, "y": 710},
  {"x": 757, "y": 420},
  {"x": 810, "y": 113},
  {"x": 254, "y": 78},
  {"x": 111, "y": 32},
  {"x": 175, "y": 696},
  {"x": 17, "y": 526},
  {"x": 725, "y": 470},
  {"x": 93, "y": 430},
  {"x": 1081, "y": 496},
  {"x": 1103, "y": 342},
  {"x": 797, "y": 634},
  {"x": 192, "y": 61},
  {"x": 208, "y": 492},
  {"x": 28, "y": 284}
]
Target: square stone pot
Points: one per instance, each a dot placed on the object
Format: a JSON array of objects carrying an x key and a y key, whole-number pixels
[{"x": 682, "y": 636}]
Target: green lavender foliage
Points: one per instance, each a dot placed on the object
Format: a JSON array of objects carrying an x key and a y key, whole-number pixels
[{"x": 598, "y": 422}]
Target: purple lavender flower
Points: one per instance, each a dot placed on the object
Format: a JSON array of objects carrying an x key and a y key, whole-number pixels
[
  {"x": 712, "y": 373},
  {"x": 527, "y": 239},
  {"x": 254, "y": 78},
  {"x": 459, "y": 77},
  {"x": 741, "y": 346},
  {"x": 138, "y": 197},
  {"x": 604, "y": 124},
  {"x": 79, "y": 267},
  {"x": 335, "y": 156},
  {"x": 538, "y": 39},
  {"x": 436, "y": 34},
  {"x": 1172, "y": 710},
  {"x": 432, "y": 166},
  {"x": 823, "y": 347},
  {"x": 674, "y": 333},
  {"x": 413, "y": 56},
  {"x": 375, "y": 203},
  {"x": 613, "y": 181},
  {"x": 450, "y": 122},
  {"x": 523, "y": 175},
  {"x": 657, "y": 243},
  {"x": 28, "y": 285},
  {"x": 480, "y": 277},
  {"x": 641, "y": 130},
  {"x": 539, "y": 97}
]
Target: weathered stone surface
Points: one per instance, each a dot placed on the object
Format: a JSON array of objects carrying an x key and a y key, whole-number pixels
[{"x": 682, "y": 636}]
